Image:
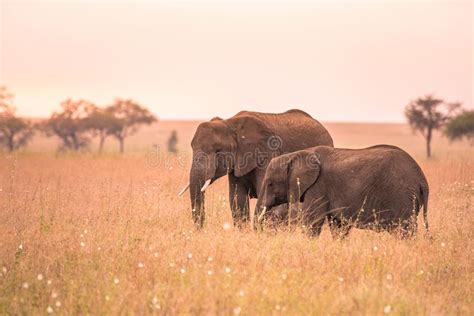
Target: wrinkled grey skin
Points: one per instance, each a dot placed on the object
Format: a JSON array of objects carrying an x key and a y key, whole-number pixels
[
  {"x": 379, "y": 188},
  {"x": 241, "y": 147}
]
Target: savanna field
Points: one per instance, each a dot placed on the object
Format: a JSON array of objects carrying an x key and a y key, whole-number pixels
[{"x": 107, "y": 234}]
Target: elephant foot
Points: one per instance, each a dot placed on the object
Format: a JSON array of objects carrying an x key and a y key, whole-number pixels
[
  {"x": 339, "y": 230},
  {"x": 241, "y": 224}
]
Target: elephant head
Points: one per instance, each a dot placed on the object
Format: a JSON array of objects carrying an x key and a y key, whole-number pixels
[
  {"x": 287, "y": 179},
  {"x": 221, "y": 147}
]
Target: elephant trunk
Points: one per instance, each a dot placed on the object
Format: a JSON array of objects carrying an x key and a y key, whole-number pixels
[
  {"x": 197, "y": 198},
  {"x": 202, "y": 174}
]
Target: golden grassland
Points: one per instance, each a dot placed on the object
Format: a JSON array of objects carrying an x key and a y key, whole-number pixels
[{"x": 89, "y": 234}]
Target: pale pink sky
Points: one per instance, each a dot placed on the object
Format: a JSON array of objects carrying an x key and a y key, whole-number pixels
[{"x": 338, "y": 60}]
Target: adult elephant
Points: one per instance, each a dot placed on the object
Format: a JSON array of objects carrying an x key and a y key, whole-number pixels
[{"x": 242, "y": 147}]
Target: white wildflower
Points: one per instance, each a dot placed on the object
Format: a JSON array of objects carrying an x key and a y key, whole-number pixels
[{"x": 156, "y": 303}]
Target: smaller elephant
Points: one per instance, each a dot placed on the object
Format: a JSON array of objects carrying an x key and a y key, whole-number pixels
[{"x": 378, "y": 188}]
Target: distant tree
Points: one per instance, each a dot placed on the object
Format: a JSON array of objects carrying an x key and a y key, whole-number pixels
[
  {"x": 461, "y": 126},
  {"x": 130, "y": 116},
  {"x": 15, "y": 132},
  {"x": 6, "y": 98},
  {"x": 102, "y": 123},
  {"x": 70, "y": 124},
  {"x": 428, "y": 114}
]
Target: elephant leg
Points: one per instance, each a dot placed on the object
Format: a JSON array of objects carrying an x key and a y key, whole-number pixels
[
  {"x": 239, "y": 201},
  {"x": 311, "y": 218},
  {"x": 408, "y": 228},
  {"x": 314, "y": 224},
  {"x": 279, "y": 215},
  {"x": 256, "y": 214},
  {"x": 296, "y": 214},
  {"x": 339, "y": 230}
]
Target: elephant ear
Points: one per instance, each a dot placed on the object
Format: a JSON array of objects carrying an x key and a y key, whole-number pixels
[
  {"x": 252, "y": 151},
  {"x": 303, "y": 171}
]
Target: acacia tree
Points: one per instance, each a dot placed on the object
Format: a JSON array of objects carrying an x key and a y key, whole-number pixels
[
  {"x": 70, "y": 124},
  {"x": 130, "y": 116},
  {"x": 428, "y": 114},
  {"x": 102, "y": 123},
  {"x": 15, "y": 132},
  {"x": 461, "y": 126}
]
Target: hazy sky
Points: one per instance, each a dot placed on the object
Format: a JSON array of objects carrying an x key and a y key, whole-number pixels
[{"x": 338, "y": 60}]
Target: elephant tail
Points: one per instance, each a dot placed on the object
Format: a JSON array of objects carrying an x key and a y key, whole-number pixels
[{"x": 424, "y": 196}]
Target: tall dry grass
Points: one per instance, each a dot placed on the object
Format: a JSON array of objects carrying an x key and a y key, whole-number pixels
[{"x": 87, "y": 234}]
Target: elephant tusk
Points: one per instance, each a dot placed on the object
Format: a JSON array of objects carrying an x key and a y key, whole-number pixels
[
  {"x": 206, "y": 185},
  {"x": 262, "y": 215},
  {"x": 184, "y": 189}
]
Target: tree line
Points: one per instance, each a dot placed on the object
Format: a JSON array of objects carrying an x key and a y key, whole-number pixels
[
  {"x": 79, "y": 121},
  {"x": 75, "y": 124}
]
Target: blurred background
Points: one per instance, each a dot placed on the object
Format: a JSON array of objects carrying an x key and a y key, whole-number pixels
[
  {"x": 350, "y": 61},
  {"x": 346, "y": 62}
]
